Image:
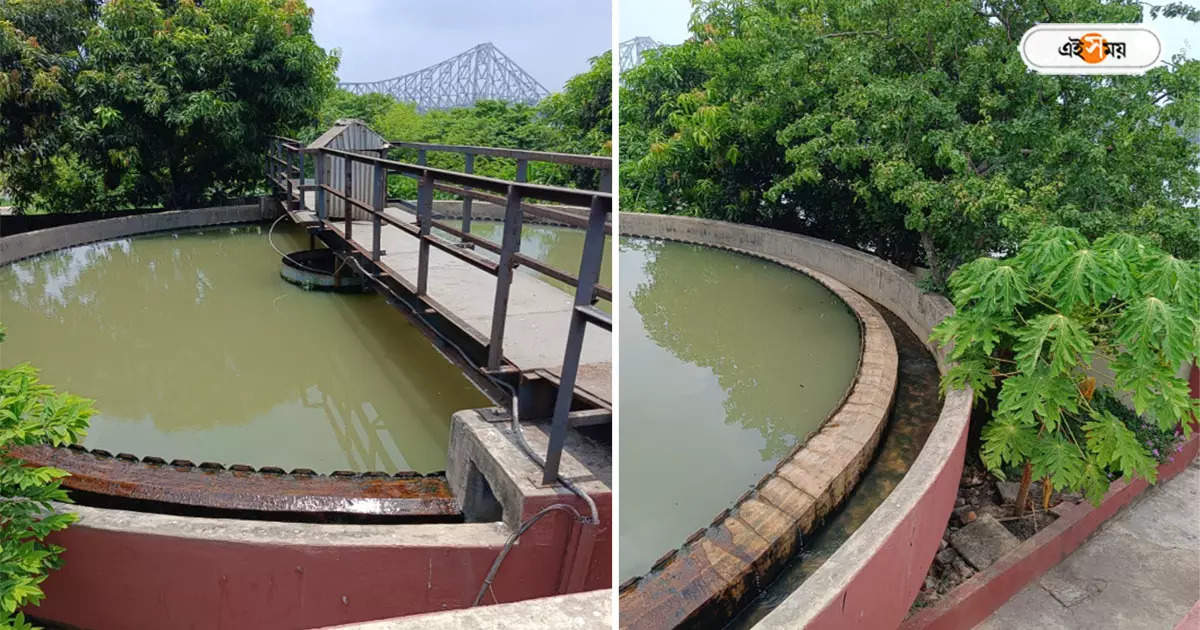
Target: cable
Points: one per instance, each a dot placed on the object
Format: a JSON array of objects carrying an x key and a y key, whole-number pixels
[
  {"x": 512, "y": 539},
  {"x": 594, "y": 517},
  {"x": 287, "y": 256}
]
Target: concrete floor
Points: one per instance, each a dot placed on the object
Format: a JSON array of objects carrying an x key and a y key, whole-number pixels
[
  {"x": 578, "y": 611},
  {"x": 1139, "y": 571}
]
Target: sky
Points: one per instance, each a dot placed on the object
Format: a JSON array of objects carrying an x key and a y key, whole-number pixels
[
  {"x": 666, "y": 21},
  {"x": 379, "y": 39}
]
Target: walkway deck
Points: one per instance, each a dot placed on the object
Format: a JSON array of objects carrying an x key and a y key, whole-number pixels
[
  {"x": 1139, "y": 571},
  {"x": 539, "y": 313}
]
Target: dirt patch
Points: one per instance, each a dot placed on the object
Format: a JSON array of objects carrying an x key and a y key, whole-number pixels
[{"x": 980, "y": 493}]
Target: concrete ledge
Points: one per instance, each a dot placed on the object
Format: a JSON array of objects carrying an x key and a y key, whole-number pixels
[
  {"x": 985, "y": 592},
  {"x": 717, "y": 569},
  {"x": 486, "y": 447},
  {"x": 581, "y": 611},
  {"x": 141, "y": 570},
  {"x": 28, "y": 244},
  {"x": 872, "y": 580}
]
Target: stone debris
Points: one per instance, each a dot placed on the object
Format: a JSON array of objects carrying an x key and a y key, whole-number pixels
[
  {"x": 1008, "y": 491},
  {"x": 983, "y": 541}
]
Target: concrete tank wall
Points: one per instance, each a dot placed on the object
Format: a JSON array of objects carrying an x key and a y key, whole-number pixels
[
  {"x": 872, "y": 580},
  {"x": 24, "y": 245}
]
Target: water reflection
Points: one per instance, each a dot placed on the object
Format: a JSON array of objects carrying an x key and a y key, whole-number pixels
[
  {"x": 914, "y": 414},
  {"x": 195, "y": 348},
  {"x": 726, "y": 362}
]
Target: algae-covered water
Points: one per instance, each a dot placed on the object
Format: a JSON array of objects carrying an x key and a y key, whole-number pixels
[
  {"x": 194, "y": 348},
  {"x": 727, "y": 361}
]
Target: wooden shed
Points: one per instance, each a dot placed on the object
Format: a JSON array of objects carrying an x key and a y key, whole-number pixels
[{"x": 353, "y": 135}]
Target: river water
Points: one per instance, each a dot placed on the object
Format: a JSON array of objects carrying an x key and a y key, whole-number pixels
[{"x": 727, "y": 361}]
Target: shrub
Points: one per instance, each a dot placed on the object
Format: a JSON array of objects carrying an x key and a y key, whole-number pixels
[{"x": 31, "y": 413}]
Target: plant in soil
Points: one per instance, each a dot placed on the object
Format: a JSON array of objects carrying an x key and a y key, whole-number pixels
[{"x": 1037, "y": 325}]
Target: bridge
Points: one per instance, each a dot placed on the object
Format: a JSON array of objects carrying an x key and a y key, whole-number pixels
[
  {"x": 481, "y": 73},
  {"x": 544, "y": 351},
  {"x": 632, "y": 51}
]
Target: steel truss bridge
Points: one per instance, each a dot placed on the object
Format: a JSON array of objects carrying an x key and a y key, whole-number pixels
[
  {"x": 633, "y": 49},
  {"x": 481, "y": 73}
]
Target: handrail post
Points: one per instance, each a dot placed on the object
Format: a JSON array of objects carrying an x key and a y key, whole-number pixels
[
  {"x": 606, "y": 180},
  {"x": 287, "y": 177},
  {"x": 348, "y": 191},
  {"x": 319, "y": 159},
  {"x": 379, "y": 194},
  {"x": 467, "y": 201},
  {"x": 522, "y": 170},
  {"x": 510, "y": 245},
  {"x": 589, "y": 274},
  {"x": 421, "y": 157},
  {"x": 425, "y": 226}
]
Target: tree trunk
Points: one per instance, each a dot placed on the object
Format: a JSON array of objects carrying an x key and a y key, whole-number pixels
[
  {"x": 1023, "y": 491},
  {"x": 932, "y": 259}
]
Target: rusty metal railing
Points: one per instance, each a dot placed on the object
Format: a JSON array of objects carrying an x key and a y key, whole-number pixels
[{"x": 587, "y": 209}]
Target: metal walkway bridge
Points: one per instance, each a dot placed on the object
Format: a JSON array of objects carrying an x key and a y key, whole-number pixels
[
  {"x": 481, "y": 73},
  {"x": 512, "y": 328}
]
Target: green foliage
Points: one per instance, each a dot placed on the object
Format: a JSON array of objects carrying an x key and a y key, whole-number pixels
[
  {"x": 576, "y": 120},
  {"x": 581, "y": 116},
  {"x": 1036, "y": 323},
  {"x": 911, "y": 129},
  {"x": 39, "y": 52},
  {"x": 31, "y": 413},
  {"x": 171, "y": 104}
]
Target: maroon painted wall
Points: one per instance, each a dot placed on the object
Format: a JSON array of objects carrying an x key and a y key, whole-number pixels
[
  {"x": 114, "y": 579},
  {"x": 881, "y": 593}
]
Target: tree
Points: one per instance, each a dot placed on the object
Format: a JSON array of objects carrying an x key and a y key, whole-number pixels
[
  {"x": 170, "y": 102},
  {"x": 31, "y": 413},
  {"x": 582, "y": 115},
  {"x": 40, "y": 44},
  {"x": 1039, "y": 325},
  {"x": 908, "y": 128}
]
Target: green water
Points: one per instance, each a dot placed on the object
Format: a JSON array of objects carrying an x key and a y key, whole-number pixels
[
  {"x": 727, "y": 361},
  {"x": 558, "y": 247},
  {"x": 914, "y": 414},
  {"x": 193, "y": 347}
]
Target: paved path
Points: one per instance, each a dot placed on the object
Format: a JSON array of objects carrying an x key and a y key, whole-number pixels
[{"x": 1139, "y": 571}]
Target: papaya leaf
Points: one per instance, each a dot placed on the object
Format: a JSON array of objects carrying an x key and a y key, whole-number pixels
[{"x": 1055, "y": 340}]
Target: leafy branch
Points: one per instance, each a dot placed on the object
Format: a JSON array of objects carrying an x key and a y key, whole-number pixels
[{"x": 31, "y": 413}]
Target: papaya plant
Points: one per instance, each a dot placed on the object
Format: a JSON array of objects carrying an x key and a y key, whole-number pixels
[
  {"x": 31, "y": 413},
  {"x": 1043, "y": 324}
]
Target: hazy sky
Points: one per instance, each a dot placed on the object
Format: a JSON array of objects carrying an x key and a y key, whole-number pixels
[
  {"x": 551, "y": 39},
  {"x": 666, "y": 21}
]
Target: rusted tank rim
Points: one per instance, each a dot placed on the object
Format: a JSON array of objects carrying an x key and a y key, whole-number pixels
[{"x": 242, "y": 489}]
